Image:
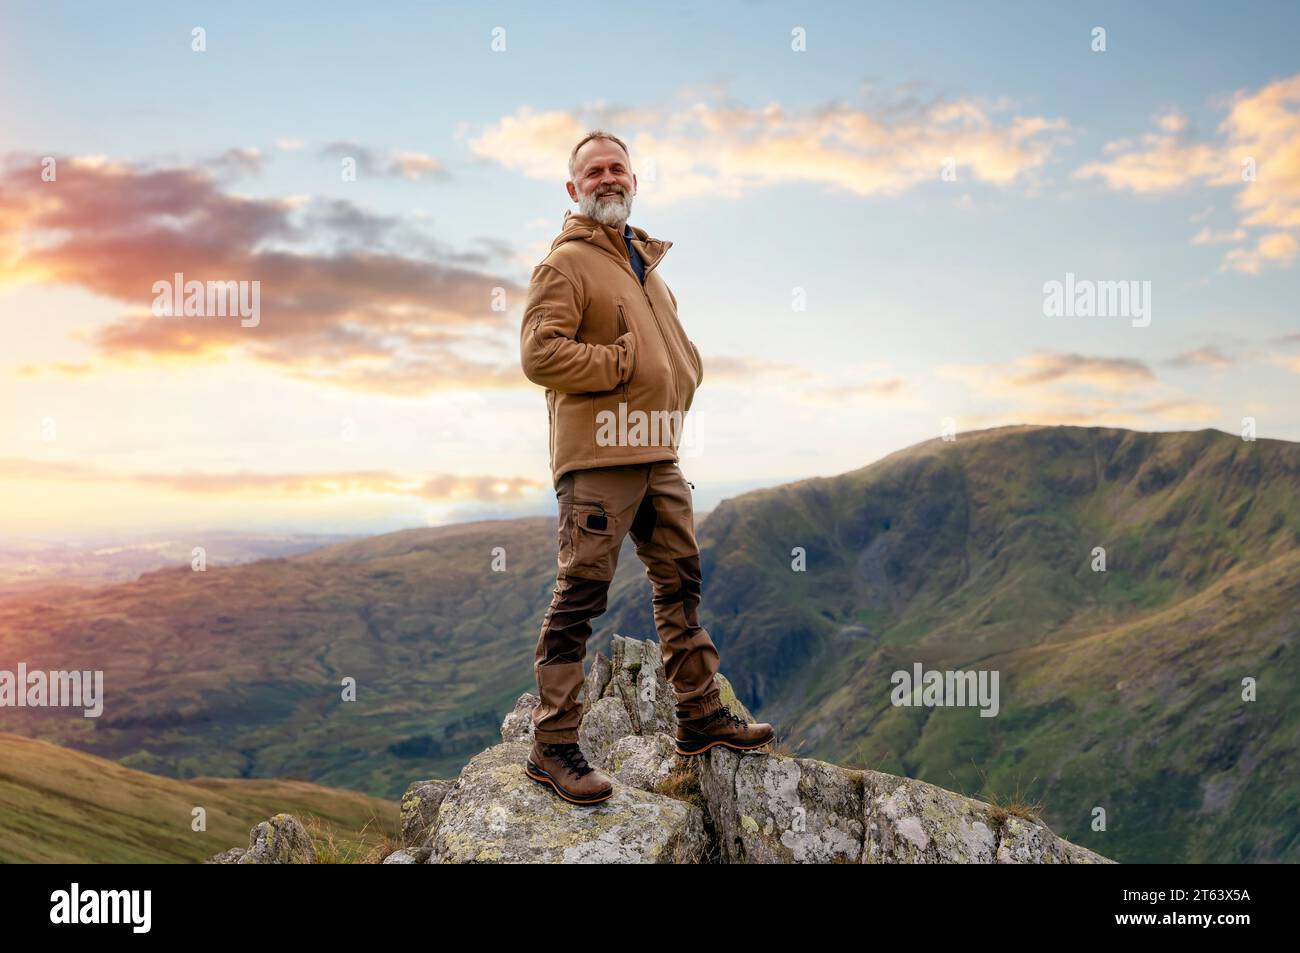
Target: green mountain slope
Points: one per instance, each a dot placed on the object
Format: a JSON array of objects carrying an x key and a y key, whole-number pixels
[
  {"x": 1119, "y": 689},
  {"x": 237, "y": 671},
  {"x": 62, "y": 806}
]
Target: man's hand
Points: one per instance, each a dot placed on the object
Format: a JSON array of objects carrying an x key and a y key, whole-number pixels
[{"x": 548, "y": 351}]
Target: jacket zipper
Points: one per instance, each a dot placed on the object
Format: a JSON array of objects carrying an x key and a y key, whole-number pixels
[{"x": 663, "y": 336}]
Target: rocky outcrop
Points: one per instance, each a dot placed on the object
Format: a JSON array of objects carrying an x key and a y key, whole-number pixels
[
  {"x": 420, "y": 806},
  {"x": 725, "y": 806},
  {"x": 280, "y": 840},
  {"x": 783, "y": 810},
  {"x": 496, "y": 814}
]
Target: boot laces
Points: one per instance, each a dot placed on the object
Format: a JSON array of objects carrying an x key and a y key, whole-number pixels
[
  {"x": 725, "y": 713},
  {"x": 572, "y": 757}
]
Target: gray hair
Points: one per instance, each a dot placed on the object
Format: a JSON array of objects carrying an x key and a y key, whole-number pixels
[{"x": 594, "y": 134}]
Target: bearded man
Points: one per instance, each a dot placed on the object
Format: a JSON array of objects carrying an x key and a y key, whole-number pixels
[{"x": 600, "y": 332}]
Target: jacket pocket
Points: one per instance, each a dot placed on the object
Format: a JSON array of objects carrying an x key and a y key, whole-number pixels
[
  {"x": 623, "y": 329},
  {"x": 550, "y": 421}
]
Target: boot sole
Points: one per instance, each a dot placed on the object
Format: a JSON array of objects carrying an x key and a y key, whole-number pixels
[
  {"x": 726, "y": 744},
  {"x": 537, "y": 774}
]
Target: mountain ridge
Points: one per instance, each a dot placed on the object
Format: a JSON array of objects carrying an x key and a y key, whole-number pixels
[{"x": 952, "y": 553}]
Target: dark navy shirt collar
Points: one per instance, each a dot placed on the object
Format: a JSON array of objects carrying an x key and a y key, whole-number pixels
[{"x": 633, "y": 255}]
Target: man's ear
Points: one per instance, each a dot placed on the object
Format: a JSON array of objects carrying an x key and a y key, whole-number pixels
[{"x": 573, "y": 193}]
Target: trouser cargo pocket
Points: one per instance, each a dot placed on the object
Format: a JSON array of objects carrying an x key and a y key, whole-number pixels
[{"x": 591, "y": 544}]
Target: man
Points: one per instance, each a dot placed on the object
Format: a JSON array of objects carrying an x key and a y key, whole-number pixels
[{"x": 600, "y": 333}]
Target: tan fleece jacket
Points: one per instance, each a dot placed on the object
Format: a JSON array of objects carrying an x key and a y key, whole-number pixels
[{"x": 619, "y": 371}]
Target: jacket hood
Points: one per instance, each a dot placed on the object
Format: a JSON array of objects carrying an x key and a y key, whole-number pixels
[{"x": 608, "y": 238}]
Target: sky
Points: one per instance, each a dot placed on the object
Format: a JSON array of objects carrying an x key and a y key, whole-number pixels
[{"x": 868, "y": 205}]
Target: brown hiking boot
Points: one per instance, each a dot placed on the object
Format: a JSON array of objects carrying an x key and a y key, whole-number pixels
[
  {"x": 564, "y": 768},
  {"x": 721, "y": 727}
]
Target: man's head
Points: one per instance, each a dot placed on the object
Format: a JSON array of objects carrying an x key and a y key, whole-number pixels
[{"x": 601, "y": 179}]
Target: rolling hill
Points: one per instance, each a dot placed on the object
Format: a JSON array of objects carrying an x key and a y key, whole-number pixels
[{"x": 63, "y": 806}]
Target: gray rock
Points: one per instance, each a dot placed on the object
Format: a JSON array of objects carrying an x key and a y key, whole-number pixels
[
  {"x": 280, "y": 840},
  {"x": 411, "y": 855},
  {"x": 603, "y": 724},
  {"x": 643, "y": 761},
  {"x": 637, "y": 679},
  {"x": 634, "y": 674},
  {"x": 911, "y": 822},
  {"x": 597, "y": 678},
  {"x": 1024, "y": 842},
  {"x": 776, "y": 809},
  {"x": 770, "y": 809},
  {"x": 230, "y": 856},
  {"x": 518, "y": 724},
  {"x": 420, "y": 811},
  {"x": 495, "y": 813}
]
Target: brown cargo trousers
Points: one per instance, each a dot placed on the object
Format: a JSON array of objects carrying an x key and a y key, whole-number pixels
[{"x": 598, "y": 507}]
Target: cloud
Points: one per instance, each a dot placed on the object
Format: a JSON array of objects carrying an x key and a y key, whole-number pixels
[
  {"x": 883, "y": 149},
  {"x": 1290, "y": 361},
  {"x": 67, "y": 368},
  {"x": 1260, "y": 134},
  {"x": 1275, "y": 248},
  {"x": 1042, "y": 387},
  {"x": 1097, "y": 412},
  {"x": 347, "y": 297},
  {"x": 891, "y": 389},
  {"x": 1202, "y": 357},
  {"x": 234, "y": 162},
  {"x": 417, "y": 165},
  {"x": 758, "y": 375},
  {"x": 442, "y": 488},
  {"x": 744, "y": 369},
  {"x": 1207, "y": 236},
  {"x": 407, "y": 165},
  {"x": 1043, "y": 368},
  {"x": 1160, "y": 161}
]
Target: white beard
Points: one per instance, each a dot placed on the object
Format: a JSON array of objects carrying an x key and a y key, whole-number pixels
[{"x": 611, "y": 212}]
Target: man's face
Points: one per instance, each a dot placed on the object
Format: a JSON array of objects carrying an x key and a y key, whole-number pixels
[{"x": 605, "y": 183}]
